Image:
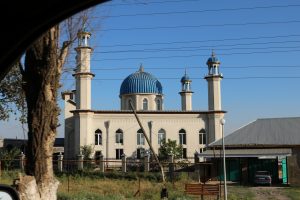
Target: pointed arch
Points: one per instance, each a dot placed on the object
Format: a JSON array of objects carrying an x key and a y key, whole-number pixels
[
  {"x": 140, "y": 137},
  {"x": 98, "y": 137},
  {"x": 119, "y": 137},
  {"x": 161, "y": 136},
  {"x": 202, "y": 137},
  {"x": 158, "y": 104},
  {"x": 145, "y": 104},
  {"x": 182, "y": 136}
]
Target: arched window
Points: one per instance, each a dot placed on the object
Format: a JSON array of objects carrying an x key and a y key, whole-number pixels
[
  {"x": 140, "y": 137},
  {"x": 119, "y": 136},
  {"x": 145, "y": 104},
  {"x": 182, "y": 136},
  {"x": 129, "y": 102},
  {"x": 161, "y": 136},
  {"x": 98, "y": 137},
  {"x": 202, "y": 136},
  {"x": 158, "y": 104}
]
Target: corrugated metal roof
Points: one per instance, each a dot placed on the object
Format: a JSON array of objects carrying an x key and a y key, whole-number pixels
[
  {"x": 269, "y": 131},
  {"x": 263, "y": 153}
]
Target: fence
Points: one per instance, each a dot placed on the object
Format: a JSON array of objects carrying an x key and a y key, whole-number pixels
[{"x": 103, "y": 165}]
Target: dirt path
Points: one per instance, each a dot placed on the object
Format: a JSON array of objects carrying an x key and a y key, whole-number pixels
[{"x": 269, "y": 193}]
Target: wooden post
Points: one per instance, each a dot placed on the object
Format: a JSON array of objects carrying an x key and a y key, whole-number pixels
[
  {"x": 148, "y": 141},
  {"x": 124, "y": 158},
  {"x": 196, "y": 157},
  {"x": 202, "y": 192},
  {"x": 147, "y": 163},
  {"x": 80, "y": 162},
  {"x": 22, "y": 161},
  {"x": 101, "y": 163},
  {"x": 171, "y": 166}
]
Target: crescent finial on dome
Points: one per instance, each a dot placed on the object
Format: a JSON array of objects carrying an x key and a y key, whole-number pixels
[{"x": 141, "y": 68}]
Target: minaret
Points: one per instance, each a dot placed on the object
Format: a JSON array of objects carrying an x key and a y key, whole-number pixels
[
  {"x": 82, "y": 73},
  {"x": 215, "y": 114},
  {"x": 83, "y": 115},
  {"x": 186, "y": 93},
  {"x": 214, "y": 78}
]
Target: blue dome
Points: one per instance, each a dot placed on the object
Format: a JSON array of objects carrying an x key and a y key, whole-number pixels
[
  {"x": 213, "y": 59},
  {"x": 140, "y": 82},
  {"x": 185, "y": 78}
]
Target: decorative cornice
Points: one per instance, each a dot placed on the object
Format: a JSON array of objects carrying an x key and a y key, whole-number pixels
[
  {"x": 83, "y": 73},
  {"x": 83, "y": 47},
  {"x": 184, "y": 92},
  {"x": 211, "y": 76},
  {"x": 149, "y": 112}
]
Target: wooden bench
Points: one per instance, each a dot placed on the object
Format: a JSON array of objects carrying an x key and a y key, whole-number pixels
[{"x": 202, "y": 189}]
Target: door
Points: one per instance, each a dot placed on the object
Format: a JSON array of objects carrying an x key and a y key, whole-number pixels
[{"x": 284, "y": 171}]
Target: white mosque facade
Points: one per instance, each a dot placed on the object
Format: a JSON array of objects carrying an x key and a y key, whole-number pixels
[{"x": 114, "y": 133}]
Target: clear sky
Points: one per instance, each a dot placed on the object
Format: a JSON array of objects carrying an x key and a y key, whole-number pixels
[{"x": 257, "y": 42}]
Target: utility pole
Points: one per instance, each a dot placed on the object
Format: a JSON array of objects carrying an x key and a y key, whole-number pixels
[
  {"x": 224, "y": 159},
  {"x": 151, "y": 148}
]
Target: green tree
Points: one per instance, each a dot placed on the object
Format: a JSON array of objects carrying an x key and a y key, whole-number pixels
[
  {"x": 170, "y": 148},
  {"x": 8, "y": 156},
  {"x": 11, "y": 94},
  {"x": 87, "y": 151}
]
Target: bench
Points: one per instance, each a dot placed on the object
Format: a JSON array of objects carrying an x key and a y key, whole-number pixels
[{"x": 202, "y": 189}]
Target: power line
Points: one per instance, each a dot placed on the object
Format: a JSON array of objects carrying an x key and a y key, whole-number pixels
[
  {"x": 201, "y": 11},
  {"x": 193, "y": 55},
  {"x": 182, "y": 68},
  {"x": 178, "y": 78},
  {"x": 147, "y": 3},
  {"x": 208, "y": 48},
  {"x": 201, "y": 25},
  {"x": 199, "y": 67},
  {"x": 194, "y": 41}
]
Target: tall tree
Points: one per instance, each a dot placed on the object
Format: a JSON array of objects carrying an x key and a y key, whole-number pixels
[{"x": 43, "y": 66}]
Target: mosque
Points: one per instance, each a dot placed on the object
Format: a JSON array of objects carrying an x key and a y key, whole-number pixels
[{"x": 114, "y": 133}]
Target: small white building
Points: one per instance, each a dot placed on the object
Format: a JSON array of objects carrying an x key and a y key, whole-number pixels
[{"x": 113, "y": 133}]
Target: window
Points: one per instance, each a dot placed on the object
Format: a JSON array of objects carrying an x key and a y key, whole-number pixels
[
  {"x": 129, "y": 106},
  {"x": 145, "y": 104},
  {"x": 184, "y": 154},
  {"x": 161, "y": 136},
  {"x": 98, "y": 137},
  {"x": 202, "y": 136},
  {"x": 119, "y": 136},
  {"x": 158, "y": 104},
  {"x": 98, "y": 154},
  {"x": 140, "y": 137},
  {"x": 119, "y": 153},
  {"x": 182, "y": 136},
  {"x": 140, "y": 153},
  {"x": 202, "y": 149}
]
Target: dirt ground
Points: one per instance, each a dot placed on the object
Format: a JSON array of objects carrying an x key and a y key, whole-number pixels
[{"x": 269, "y": 193}]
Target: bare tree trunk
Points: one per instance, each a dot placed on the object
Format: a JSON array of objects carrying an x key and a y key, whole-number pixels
[{"x": 41, "y": 75}]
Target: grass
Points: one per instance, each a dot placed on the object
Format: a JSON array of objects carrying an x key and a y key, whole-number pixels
[
  {"x": 293, "y": 193},
  {"x": 113, "y": 189},
  {"x": 240, "y": 193},
  {"x": 7, "y": 177},
  {"x": 92, "y": 186}
]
